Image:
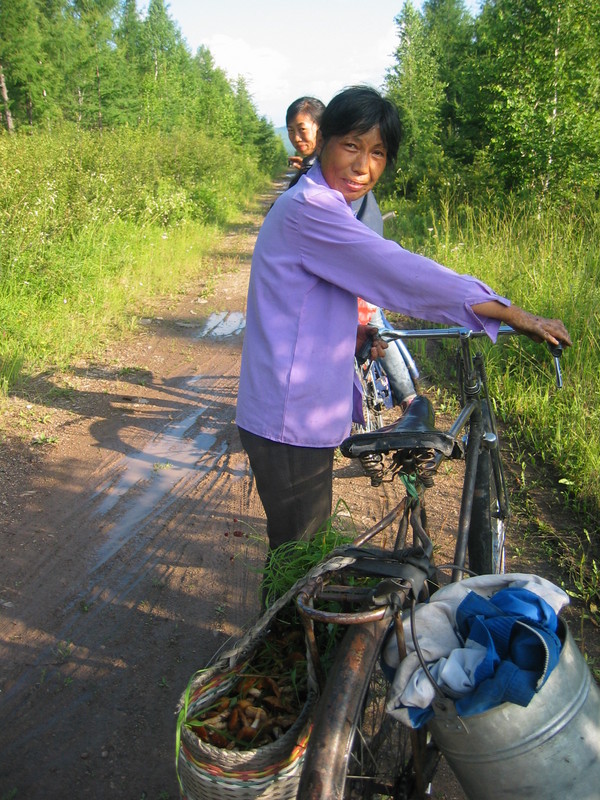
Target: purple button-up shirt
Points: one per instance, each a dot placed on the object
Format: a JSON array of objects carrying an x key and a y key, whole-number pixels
[{"x": 311, "y": 261}]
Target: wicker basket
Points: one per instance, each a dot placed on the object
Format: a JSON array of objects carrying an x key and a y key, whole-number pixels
[
  {"x": 207, "y": 772},
  {"x": 271, "y": 772}
]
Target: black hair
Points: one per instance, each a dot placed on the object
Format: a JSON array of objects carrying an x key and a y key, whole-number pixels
[
  {"x": 360, "y": 108},
  {"x": 305, "y": 105}
]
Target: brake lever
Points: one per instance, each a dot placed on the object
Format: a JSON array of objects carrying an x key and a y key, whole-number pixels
[{"x": 556, "y": 351}]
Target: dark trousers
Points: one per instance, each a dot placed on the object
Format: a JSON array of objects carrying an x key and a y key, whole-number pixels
[{"x": 295, "y": 485}]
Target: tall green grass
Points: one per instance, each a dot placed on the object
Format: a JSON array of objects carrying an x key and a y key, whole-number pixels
[
  {"x": 90, "y": 224},
  {"x": 549, "y": 263}
]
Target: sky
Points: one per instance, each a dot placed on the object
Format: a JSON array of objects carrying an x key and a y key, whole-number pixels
[{"x": 286, "y": 50}]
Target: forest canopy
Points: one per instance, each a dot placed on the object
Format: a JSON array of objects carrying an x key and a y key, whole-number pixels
[
  {"x": 504, "y": 102},
  {"x": 98, "y": 64}
]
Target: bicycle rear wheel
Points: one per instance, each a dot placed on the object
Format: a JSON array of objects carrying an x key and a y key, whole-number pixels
[
  {"x": 356, "y": 750},
  {"x": 376, "y": 396},
  {"x": 380, "y": 762},
  {"x": 372, "y": 405},
  {"x": 489, "y": 517}
]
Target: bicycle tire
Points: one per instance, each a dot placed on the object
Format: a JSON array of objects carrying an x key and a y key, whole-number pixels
[
  {"x": 356, "y": 749},
  {"x": 489, "y": 516},
  {"x": 373, "y": 397}
]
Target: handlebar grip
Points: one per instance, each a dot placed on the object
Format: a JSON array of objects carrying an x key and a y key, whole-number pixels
[{"x": 557, "y": 350}]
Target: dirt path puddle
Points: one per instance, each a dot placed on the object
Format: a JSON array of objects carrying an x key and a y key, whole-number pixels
[{"x": 223, "y": 323}]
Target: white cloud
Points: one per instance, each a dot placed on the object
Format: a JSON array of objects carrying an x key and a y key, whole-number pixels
[
  {"x": 266, "y": 70},
  {"x": 285, "y": 51},
  {"x": 276, "y": 75}
]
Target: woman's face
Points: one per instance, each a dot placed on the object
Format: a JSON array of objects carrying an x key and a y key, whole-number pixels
[
  {"x": 353, "y": 163},
  {"x": 302, "y": 133}
]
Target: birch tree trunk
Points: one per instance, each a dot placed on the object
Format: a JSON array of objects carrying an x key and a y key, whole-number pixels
[
  {"x": 99, "y": 97},
  {"x": 4, "y": 94}
]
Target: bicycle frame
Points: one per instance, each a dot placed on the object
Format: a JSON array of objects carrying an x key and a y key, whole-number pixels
[
  {"x": 359, "y": 649},
  {"x": 482, "y": 433}
]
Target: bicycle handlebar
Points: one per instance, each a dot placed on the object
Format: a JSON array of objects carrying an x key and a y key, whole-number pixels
[{"x": 390, "y": 334}]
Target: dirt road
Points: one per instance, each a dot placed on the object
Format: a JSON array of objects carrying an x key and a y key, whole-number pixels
[{"x": 124, "y": 565}]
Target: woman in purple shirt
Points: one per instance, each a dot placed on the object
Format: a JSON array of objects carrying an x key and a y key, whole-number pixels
[{"x": 311, "y": 261}]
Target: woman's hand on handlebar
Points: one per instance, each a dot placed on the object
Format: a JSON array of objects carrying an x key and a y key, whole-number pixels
[
  {"x": 365, "y": 335},
  {"x": 540, "y": 329}
]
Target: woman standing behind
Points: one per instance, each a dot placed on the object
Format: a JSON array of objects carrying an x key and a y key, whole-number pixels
[{"x": 302, "y": 119}]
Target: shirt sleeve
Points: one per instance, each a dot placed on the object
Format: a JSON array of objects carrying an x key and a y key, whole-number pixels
[{"x": 339, "y": 249}]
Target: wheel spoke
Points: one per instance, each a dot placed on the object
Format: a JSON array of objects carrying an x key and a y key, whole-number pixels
[{"x": 380, "y": 751}]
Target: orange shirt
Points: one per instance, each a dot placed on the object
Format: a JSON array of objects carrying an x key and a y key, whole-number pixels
[{"x": 365, "y": 311}]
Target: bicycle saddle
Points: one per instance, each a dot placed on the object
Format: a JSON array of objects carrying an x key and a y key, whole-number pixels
[{"x": 415, "y": 430}]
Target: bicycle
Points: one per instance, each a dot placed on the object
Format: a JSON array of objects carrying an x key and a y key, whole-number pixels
[
  {"x": 377, "y": 394},
  {"x": 356, "y": 750}
]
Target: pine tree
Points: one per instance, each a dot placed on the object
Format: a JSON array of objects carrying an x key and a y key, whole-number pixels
[
  {"x": 450, "y": 30},
  {"x": 413, "y": 84},
  {"x": 164, "y": 63},
  {"x": 127, "y": 106},
  {"x": 21, "y": 56},
  {"x": 212, "y": 104}
]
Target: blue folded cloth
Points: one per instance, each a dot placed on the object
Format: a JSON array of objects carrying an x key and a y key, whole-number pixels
[
  {"x": 518, "y": 628},
  {"x": 516, "y": 631}
]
